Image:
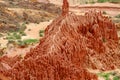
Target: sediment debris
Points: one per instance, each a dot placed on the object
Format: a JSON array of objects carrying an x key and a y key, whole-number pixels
[{"x": 71, "y": 45}]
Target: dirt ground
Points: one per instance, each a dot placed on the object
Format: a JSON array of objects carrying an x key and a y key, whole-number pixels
[
  {"x": 20, "y": 15},
  {"x": 34, "y": 33}
]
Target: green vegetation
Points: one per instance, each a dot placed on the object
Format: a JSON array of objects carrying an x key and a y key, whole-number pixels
[
  {"x": 27, "y": 42},
  {"x": 104, "y": 12},
  {"x": 116, "y": 20},
  {"x": 101, "y": 1},
  {"x": 22, "y": 33},
  {"x": 112, "y": 1},
  {"x": 1, "y": 35},
  {"x": 20, "y": 56},
  {"x": 41, "y": 33},
  {"x": 86, "y": 2},
  {"x": 106, "y": 76},
  {"x": 2, "y": 51},
  {"x": 118, "y": 16},
  {"x": 30, "y": 41},
  {"x": 15, "y": 38},
  {"x": 116, "y": 78},
  {"x": 92, "y": 2},
  {"x": 103, "y": 39},
  {"x": 23, "y": 26}
]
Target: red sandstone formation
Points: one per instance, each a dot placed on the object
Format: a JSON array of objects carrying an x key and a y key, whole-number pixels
[
  {"x": 65, "y": 7},
  {"x": 71, "y": 45}
]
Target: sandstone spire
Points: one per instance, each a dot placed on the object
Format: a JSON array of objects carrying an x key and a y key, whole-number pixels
[{"x": 65, "y": 7}]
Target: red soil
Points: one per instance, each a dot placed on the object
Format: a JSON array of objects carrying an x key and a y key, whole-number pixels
[{"x": 71, "y": 44}]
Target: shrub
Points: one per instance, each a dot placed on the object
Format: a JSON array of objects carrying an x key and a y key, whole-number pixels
[
  {"x": 101, "y": 1},
  {"x": 92, "y": 2},
  {"x": 116, "y": 78},
  {"x": 41, "y": 33},
  {"x": 16, "y": 35},
  {"x": 26, "y": 42},
  {"x": 13, "y": 36},
  {"x": 114, "y": 1},
  {"x": 1, "y": 35},
  {"x": 104, "y": 12},
  {"x": 30, "y": 41},
  {"x": 23, "y": 26},
  {"x": 118, "y": 16},
  {"x": 105, "y": 75},
  {"x": 103, "y": 39},
  {"x": 22, "y": 33},
  {"x": 2, "y": 51},
  {"x": 21, "y": 43}
]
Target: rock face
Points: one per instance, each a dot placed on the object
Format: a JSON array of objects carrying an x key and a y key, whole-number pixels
[
  {"x": 65, "y": 7},
  {"x": 71, "y": 45}
]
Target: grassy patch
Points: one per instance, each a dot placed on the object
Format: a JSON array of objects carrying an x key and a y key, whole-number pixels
[
  {"x": 15, "y": 35},
  {"x": 41, "y": 33},
  {"x": 22, "y": 33},
  {"x": 116, "y": 78},
  {"x": 112, "y": 1},
  {"x": 107, "y": 76},
  {"x": 30, "y": 41},
  {"x": 15, "y": 39},
  {"x": 102, "y": 1},
  {"x": 27, "y": 42}
]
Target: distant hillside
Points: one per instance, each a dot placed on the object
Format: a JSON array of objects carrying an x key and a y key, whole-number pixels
[
  {"x": 73, "y": 2},
  {"x": 77, "y": 2},
  {"x": 15, "y": 12}
]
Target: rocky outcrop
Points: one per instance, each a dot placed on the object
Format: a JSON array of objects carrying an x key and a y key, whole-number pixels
[
  {"x": 65, "y": 7},
  {"x": 71, "y": 45}
]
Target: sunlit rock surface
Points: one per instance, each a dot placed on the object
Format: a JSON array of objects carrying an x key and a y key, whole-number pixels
[{"x": 71, "y": 44}]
